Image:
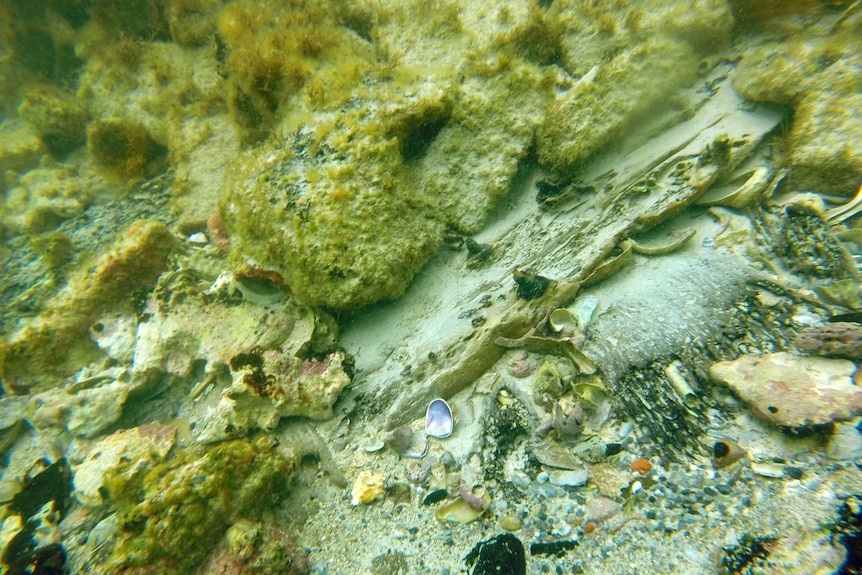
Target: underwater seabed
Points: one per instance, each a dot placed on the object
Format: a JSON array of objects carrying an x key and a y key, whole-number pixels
[
  {"x": 629, "y": 370},
  {"x": 693, "y": 482}
]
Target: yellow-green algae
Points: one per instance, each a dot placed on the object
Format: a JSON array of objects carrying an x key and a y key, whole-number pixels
[
  {"x": 818, "y": 72},
  {"x": 353, "y": 133},
  {"x": 57, "y": 342},
  {"x": 174, "y": 514},
  {"x": 349, "y": 197}
]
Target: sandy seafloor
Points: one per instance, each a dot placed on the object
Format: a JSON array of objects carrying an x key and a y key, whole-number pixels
[{"x": 245, "y": 244}]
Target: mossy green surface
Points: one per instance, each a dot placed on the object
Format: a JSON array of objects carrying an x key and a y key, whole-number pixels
[
  {"x": 819, "y": 74},
  {"x": 56, "y": 343},
  {"x": 374, "y": 153},
  {"x": 339, "y": 241},
  {"x": 636, "y": 59},
  {"x": 176, "y": 512}
]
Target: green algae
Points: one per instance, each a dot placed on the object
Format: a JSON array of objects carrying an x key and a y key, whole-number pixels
[
  {"x": 56, "y": 343},
  {"x": 176, "y": 512},
  {"x": 818, "y": 74}
]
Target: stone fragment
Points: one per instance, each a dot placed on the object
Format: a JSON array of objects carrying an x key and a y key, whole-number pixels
[
  {"x": 567, "y": 477},
  {"x": 368, "y": 487},
  {"x": 793, "y": 391},
  {"x": 845, "y": 443},
  {"x": 20, "y": 146},
  {"x": 841, "y": 339},
  {"x": 115, "y": 335},
  {"x": 824, "y": 141},
  {"x": 601, "y": 509},
  {"x": 268, "y": 385},
  {"x": 252, "y": 547},
  {"x": 145, "y": 444},
  {"x": 85, "y": 413},
  {"x": 56, "y": 115},
  {"x": 56, "y": 343}
]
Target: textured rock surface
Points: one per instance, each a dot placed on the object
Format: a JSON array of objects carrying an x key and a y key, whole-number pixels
[
  {"x": 146, "y": 445},
  {"x": 819, "y": 73},
  {"x": 268, "y": 385},
  {"x": 84, "y": 413},
  {"x": 841, "y": 339},
  {"x": 352, "y": 198},
  {"x": 793, "y": 391},
  {"x": 57, "y": 341}
]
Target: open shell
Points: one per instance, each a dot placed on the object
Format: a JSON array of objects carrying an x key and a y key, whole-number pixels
[{"x": 439, "y": 421}]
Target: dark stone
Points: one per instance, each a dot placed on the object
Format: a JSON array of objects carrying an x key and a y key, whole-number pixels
[
  {"x": 530, "y": 286},
  {"x": 555, "y": 548},
  {"x": 54, "y": 483},
  {"x": 502, "y": 555},
  {"x": 793, "y": 472},
  {"x": 724, "y": 489},
  {"x": 849, "y": 531},
  {"x": 750, "y": 553},
  {"x": 434, "y": 497},
  {"x": 613, "y": 448}
]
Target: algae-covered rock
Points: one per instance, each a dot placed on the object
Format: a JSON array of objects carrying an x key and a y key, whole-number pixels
[
  {"x": 595, "y": 111},
  {"x": 20, "y": 146},
  {"x": 793, "y": 391},
  {"x": 364, "y": 169},
  {"x": 56, "y": 342},
  {"x": 124, "y": 148},
  {"x": 270, "y": 384},
  {"x": 342, "y": 233},
  {"x": 254, "y": 547},
  {"x": 147, "y": 445},
  {"x": 59, "y": 119},
  {"x": 637, "y": 60},
  {"x": 173, "y": 514},
  {"x": 85, "y": 413},
  {"x": 819, "y": 73},
  {"x": 44, "y": 197}
]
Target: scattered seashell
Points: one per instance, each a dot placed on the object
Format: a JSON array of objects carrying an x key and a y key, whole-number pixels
[
  {"x": 725, "y": 452},
  {"x": 459, "y": 511},
  {"x": 675, "y": 375},
  {"x": 562, "y": 319},
  {"x": 510, "y": 522},
  {"x": 521, "y": 365},
  {"x": 438, "y": 419},
  {"x": 403, "y": 441},
  {"x": 768, "y": 469},
  {"x": 601, "y": 509},
  {"x": 369, "y": 487},
  {"x": 567, "y": 477},
  {"x": 554, "y": 455},
  {"x": 373, "y": 444}
]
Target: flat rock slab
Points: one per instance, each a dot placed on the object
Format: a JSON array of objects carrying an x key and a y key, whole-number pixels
[{"x": 793, "y": 391}]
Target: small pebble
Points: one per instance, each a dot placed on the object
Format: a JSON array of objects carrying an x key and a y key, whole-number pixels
[
  {"x": 542, "y": 477},
  {"x": 793, "y": 472},
  {"x": 724, "y": 489},
  {"x": 510, "y": 522}
]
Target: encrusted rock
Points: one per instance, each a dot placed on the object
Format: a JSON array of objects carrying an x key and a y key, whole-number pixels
[
  {"x": 268, "y": 385},
  {"x": 793, "y": 391},
  {"x": 145, "y": 445},
  {"x": 842, "y": 339},
  {"x": 368, "y": 487},
  {"x": 824, "y": 140},
  {"x": 85, "y": 413},
  {"x": 56, "y": 342}
]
